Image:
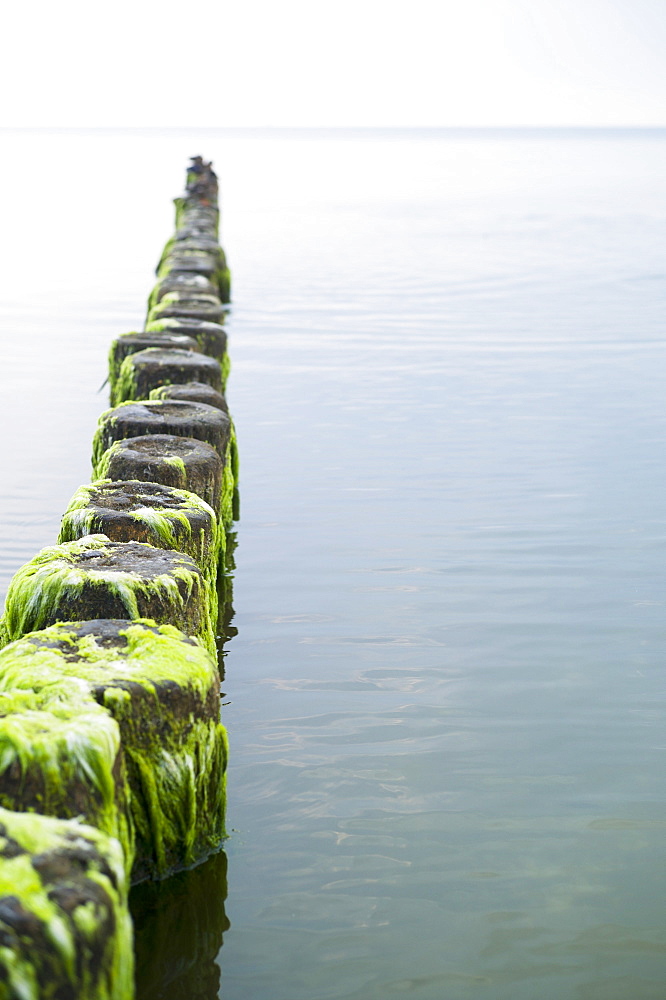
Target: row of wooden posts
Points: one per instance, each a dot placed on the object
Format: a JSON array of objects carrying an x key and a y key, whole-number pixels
[{"x": 112, "y": 752}]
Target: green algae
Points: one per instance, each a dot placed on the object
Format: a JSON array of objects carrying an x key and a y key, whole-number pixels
[
  {"x": 208, "y": 260},
  {"x": 192, "y": 392},
  {"x": 22, "y": 603},
  {"x": 231, "y": 461},
  {"x": 225, "y": 585},
  {"x": 190, "y": 210},
  {"x": 183, "y": 793},
  {"x": 226, "y": 368},
  {"x": 61, "y": 579},
  {"x": 177, "y": 464},
  {"x": 65, "y": 929},
  {"x": 101, "y": 468},
  {"x": 107, "y": 419},
  {"x": 162, "y": 690},
  {"x": 116, "y": 357},
  {"x": 180, "y": 298},
  {"x": 224, "y": 284},
  {"x": 196, "y": 304},
  {"x": 210, "y": 337},
  {"x": 60, "y": 755},
  {"x": 207, "y": 339},
  {"x": 170, "y": 460},
  {"x": 166, "y": 525},
  {"x": 125, "y": 383},
  {"x": 211, "y": 263},
  {"x": 175, "y": 324},
  {"x": 229, "y": 503}
]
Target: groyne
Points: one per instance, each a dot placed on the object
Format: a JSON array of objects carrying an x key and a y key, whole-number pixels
[{"x": 112, "y": 751}]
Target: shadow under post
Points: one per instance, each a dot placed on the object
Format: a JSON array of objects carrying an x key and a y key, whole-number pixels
[
  {"x": 225, "y": 594},
  {"x": 179, "y": 927}
]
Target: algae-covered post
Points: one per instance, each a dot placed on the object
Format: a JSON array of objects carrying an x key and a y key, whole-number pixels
[
  {"x": 174, "y": 417},
  {"x": 94, "y": 577},
  {"x": 159, "y": 690},
  {"x": 65, "y": 929},
  {"x": 192, "y": 392},
  {"x": 61, "y": 756},
  {"x": 146, "y": 370},
  {"x": 133, "y": 419},
  {"x": 182, "y": 462},
  {"x": 129, "y": 343},
  {"x": 211, "y": 337},
  {"x": 147, "y": 512}
]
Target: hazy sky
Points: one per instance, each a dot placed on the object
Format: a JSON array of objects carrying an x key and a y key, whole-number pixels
[{"x": 348, "y": 62}]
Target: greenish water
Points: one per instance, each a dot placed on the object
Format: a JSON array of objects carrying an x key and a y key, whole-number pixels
[{"x": 446, "y": 694}]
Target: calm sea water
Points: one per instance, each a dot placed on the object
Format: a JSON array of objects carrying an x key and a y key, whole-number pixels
[{"x": 447, "y": 693}]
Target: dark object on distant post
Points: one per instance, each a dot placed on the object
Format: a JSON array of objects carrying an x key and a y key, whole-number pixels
[{"x": 202, "y": 180}]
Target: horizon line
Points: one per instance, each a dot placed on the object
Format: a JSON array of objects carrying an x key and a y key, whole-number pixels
[{"x": 328, "y": 128}]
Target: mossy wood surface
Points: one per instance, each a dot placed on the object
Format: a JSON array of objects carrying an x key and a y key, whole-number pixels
[
  {"x": 200, "y": 252},
  {"x": 128, "y": 511},
  {"x": 181, "y": 462},
  {"x": 193, "y": 241},
  {"x": 146, "y": 370},
  {"x": 211, "y": 337},
  {"x": 192, "y": 216},
  {"x": 65, "y": 930},
  {"x": 60, "y": 755},
  {"x": 131, "y": 343},
  {"x": 185, "y": 419},
  {"x": 195, "y": 392},
  {"x": 97, "y": 578},
  {"x": 193, "y": 284},
  {"x": 162, "y": 690},
  {"x": 180, "y": 304},
  {"x": 197, "y": 262}
]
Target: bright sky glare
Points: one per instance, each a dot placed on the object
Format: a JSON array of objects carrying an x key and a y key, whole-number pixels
[{"x": 348, "y": 63}]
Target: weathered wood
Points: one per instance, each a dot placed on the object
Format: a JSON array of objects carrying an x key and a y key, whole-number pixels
[
  {"x": 172, "y": 416},
  {"x": 131, "y": 343},
  {"x": 167, "y": 518},
  {"x": 144, "y": 371},
  {"x": 161, "y": 690},
  {"x": 194, "y": 392},
  {"x": 181, "y": 462},
  {"x": 210, "y": 337},
  {"x": 97, "y": 578}
]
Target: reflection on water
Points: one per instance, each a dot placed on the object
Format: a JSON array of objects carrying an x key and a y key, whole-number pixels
[
  {"x": 225, "y": 596},
  {"x": 179, "y": 926}
]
